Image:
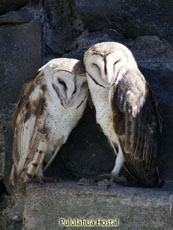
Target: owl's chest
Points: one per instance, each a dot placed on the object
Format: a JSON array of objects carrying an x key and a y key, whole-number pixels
[
  {"x": 60, "y": 122},
  {"x": 100, "y": 98}
]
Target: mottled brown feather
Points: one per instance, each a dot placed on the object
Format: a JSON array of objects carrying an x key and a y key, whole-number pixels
[{"x": 29, "y": 108}]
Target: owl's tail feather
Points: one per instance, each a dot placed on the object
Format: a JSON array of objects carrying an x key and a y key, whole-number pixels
[
  {"x": 14, "y": 179},
  {"x": 12, "y": 176}
]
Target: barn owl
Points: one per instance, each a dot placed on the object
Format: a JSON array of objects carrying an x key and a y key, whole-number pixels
[
  {"x": 126, "y": 111},
  {"x": 49, "y": 108}
]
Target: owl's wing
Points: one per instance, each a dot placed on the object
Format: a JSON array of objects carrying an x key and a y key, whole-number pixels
[
  {"x": 30, "y": 136},
  {"x": 137, "y": 123}
]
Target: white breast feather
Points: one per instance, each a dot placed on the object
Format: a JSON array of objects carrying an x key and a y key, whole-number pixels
[{"x": 100, "y": 98}]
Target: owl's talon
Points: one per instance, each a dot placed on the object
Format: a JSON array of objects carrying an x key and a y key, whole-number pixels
[
  {"x": 118, "y": 179},
  {"x": 112, "y": 179},
  {"x": 103, "y": 177}
]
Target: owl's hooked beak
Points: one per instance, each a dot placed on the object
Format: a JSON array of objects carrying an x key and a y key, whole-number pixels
[
  {"x": 69, "y": 102},
  {"x": 109, "y": 84},
  {"x": 109, "y": 81},
  {"x": 111, "y": 90}
]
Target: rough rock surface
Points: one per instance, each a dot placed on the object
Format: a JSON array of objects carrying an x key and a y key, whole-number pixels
[
  {"x": 61, "y": 26},
  {"x": 131, "y": 18},
  {"x": 16, "y": 17},
  {"x": 11, "y": 211},
  {"x": 7, "y": 5},
  {"x": 46, "y": 204},
  {"x": 2, "y": 150},
  {"x": 20, "y": 58}
]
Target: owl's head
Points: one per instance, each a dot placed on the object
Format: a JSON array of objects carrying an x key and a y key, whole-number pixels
[
  {"x": 104, "y": 61},
  {"x": 67, "y": 81}
]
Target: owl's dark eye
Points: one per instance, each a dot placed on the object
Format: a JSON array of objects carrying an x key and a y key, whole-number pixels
[
  {"x": 97, "y": 67},
  {"x": 115, "y": 64},
  {"x": 61, "y": 82}
]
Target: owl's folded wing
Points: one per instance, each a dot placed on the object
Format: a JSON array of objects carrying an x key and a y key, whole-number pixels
[
  {"x": 30, "y": 139},
  {"x": 137, "y": 123}
]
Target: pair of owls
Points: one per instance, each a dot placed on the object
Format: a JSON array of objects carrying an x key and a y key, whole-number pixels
[{"x": 51, "y": 105}]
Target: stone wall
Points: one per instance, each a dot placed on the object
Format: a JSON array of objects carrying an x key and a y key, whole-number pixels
[{"x": 33, "y": 32}]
